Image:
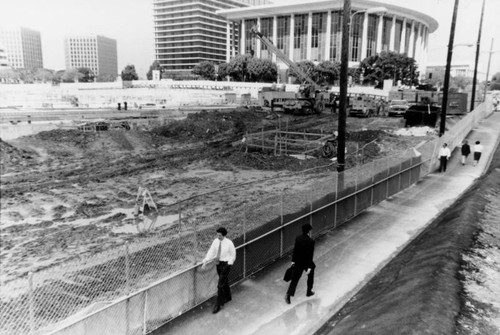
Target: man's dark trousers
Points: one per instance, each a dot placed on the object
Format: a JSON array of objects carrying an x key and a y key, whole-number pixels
[
  {"x": 443, "y": 160},
  {"x": 223, "y": 290},
  {"x": 297, "y": 273}
]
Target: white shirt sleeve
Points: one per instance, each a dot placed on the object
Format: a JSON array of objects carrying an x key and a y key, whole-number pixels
[
  {"x": 232, "y": 252},
  {"x": 212, "y": 252}
]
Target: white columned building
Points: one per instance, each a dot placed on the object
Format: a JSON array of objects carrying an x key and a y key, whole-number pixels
[{"x": 319, "y": 30}]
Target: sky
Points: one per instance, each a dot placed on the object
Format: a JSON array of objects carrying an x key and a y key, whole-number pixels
[{"x": 130, "y": 22}]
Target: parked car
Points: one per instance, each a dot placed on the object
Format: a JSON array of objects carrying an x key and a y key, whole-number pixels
[{"x": 398, "y": 107}]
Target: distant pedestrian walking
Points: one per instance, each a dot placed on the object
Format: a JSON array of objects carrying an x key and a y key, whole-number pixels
[
  {"x": 222, "y": 251},
  {"x": 478, "y": 149},
  {"x": 465, "y": 151},
  {"x": 302, "y": 260},
  {"x": 444, "y": 155}
]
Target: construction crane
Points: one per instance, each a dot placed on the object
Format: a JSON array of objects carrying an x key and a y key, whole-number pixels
[{"x": 311, "y": 100}]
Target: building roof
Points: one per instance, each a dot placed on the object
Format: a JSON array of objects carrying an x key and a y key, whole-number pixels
[{"x": 235, "y": 14}]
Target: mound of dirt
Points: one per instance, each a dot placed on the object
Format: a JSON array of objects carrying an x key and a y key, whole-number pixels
[
  {"x": 12, "y": 158},
  {"x": 208, "y": 125}
]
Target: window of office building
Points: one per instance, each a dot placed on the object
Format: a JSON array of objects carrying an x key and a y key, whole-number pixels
[
  {"x": 371, "y": 47},
  {"x": 318, "y": 37},
  {"x": 386, "y": 33},
  {"x": 266, "y": 28},
  {"x": 397, "y": 35},
  {"x": 300, "y": 38},
  {"x": 355, "y": 38},
  {"x": 415, "y": 32},
  {"x": 250, "y": 40},
  {"x": 283, "y": 34},
  {"x": 407, "y": 38},
  {"x": 336, "y": 36}
]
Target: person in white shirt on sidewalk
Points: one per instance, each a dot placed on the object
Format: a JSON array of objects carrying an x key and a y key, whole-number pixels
[
  {"x": 223, "y": 252},
  {"x": 444, "y": 155},
  {"x": 478, "y": 149}
]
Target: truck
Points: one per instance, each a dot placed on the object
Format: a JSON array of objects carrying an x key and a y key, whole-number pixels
[
  {"x": 362, "y": 105},
  {"x": 457, "y": 101},
  {"x": 310, "y": 98}
]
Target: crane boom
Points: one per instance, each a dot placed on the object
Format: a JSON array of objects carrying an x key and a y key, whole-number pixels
[{"x": 282, "y": 56}]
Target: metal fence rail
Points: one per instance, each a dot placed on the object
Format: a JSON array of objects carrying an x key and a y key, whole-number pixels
[{"x": 162, "y": 269}]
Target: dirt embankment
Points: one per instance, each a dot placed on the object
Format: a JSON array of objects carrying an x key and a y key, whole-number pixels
[{"x": 445, "y": 282}]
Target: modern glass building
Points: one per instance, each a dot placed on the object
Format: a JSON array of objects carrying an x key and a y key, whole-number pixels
[
  {"x": 189, "y": 31},
  {"x": 23, "y": 47},
  {"x": 95, "y": 52},
  {"x": 312, "y": 30}
]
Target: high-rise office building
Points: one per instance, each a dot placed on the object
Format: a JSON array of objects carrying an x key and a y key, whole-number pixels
[
  {"x": 95, "y": 52},
  {"x": 188, "y": 31},
  {"x": 23, "y": 47}
]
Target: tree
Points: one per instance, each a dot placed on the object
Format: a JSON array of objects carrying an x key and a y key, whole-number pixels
[
  {"x": 154, "y": 66},
  {"x": 88, "y": 75},
  {"x": 327, "y": 72},
  {"x": 389, "y": 65},
  {"x": 128, "y": 73},
  {"x": 495, "y": 82},
  {"x": 223, "y": 71},
  {"x": 205, "y": 69},
  {"x": 307, "y": 67},
  {"x": 262, "y": 70},
  {"x": 71, "y": 75},
  {"x": 9, "y": 75},
  {"x": 238, "y": 67},
  {"x": 105, "y": 77}
]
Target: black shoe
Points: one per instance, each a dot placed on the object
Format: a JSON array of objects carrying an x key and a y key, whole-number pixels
[
  {"x": 216, "y": 309},
  {"x": 287, "y": 299},
  {"x": 310, "y": 293}
]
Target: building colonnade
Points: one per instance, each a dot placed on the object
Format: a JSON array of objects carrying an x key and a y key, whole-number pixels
[{"x": 316, "y": 36}]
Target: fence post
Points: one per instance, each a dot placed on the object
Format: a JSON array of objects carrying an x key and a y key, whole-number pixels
[
  {"x": 145, "y": 314},
  {"x": 127, "y": 268},
  {"x": 31, "y": 303},
  {"x": 373, "y": 181},
  {"x": 400, "y": 172},
  {"x": 336, "y": 198},
  {"x": 311, "y": 205},
  {"x": 244, "y": 243},
  {"x": 282, "y": 221},
  {"x": 180, "y": 218}
]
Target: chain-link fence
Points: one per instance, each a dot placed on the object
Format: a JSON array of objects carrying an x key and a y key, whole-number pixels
[{"x": 139, "y": 286}]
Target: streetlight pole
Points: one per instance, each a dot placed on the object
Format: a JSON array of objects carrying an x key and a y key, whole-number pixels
[
  {"x": 488, "y": 71},
  {"x": 343, "y": 78},
  {"x": 474, "y": 79},
  {"x": 444, "y": 103}
]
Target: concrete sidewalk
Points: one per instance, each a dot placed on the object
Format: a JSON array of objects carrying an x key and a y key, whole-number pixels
[{"x": 346, "y": 258}]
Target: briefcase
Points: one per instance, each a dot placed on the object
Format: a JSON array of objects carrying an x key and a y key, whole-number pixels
[{"x": 288, "y": 274}]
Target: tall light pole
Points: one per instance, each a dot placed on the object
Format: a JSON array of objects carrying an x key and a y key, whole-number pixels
[
  {"x": 343, "y": 78},
  {"x": 446, "y": 87},
  {"x": 474, "y": 79},
  {"x": 488, "y": 70}
]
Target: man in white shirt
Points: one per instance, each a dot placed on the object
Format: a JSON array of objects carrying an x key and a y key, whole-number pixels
[
  {"x": 444, "y": 155},
  {"x": 223, "y": 252}
]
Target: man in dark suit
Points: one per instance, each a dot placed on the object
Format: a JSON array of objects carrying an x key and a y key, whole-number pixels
[{"x": 302, "y": 260}]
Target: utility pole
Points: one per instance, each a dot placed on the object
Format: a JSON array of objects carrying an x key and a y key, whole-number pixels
[
  {"x": 474, "y": 80},
  {"x": 446, "y": 88},
  {"x": 344, "y": 67}
]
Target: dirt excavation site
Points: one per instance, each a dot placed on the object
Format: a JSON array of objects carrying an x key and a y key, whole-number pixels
[{"x": 68, "y": 194}]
